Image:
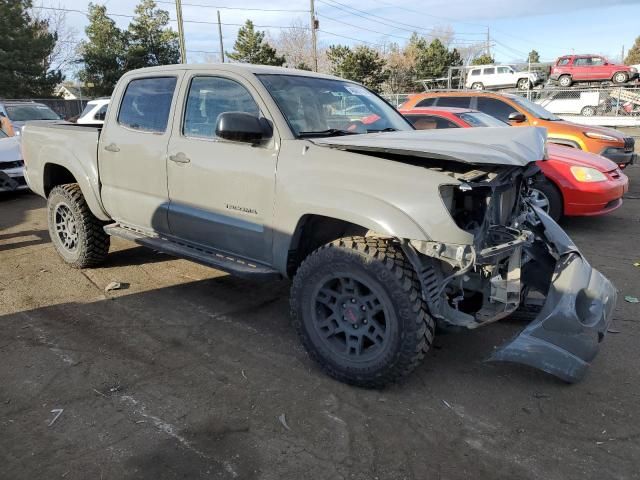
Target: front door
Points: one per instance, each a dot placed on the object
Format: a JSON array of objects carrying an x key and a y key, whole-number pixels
[
  {"x": 133, "y": 152},
  {"x": 221, "y": 192}
]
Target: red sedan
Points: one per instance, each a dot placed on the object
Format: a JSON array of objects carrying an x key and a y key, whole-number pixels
[{"x": 576, "y": 182}]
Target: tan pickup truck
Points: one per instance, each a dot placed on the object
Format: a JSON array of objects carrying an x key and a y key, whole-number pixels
[{"x": 385, "y": 231}]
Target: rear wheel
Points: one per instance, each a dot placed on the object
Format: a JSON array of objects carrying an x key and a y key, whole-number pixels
[
  {"x": 546, "y": 196},
  {"x": 357, "y": 306},
  {"x": 620, "y": 77},
  {"x": 565, "y": 81},
  {"x": 588, "y": 111},
  {"x": 477, "y": 86},
  {"x": 76, "y": 233}
]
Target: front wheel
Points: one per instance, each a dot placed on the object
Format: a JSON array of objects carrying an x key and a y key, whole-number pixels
[
  {"x": 477, "y": 86},
  {"x": 588, "y": 111},
  {"x": 620, "y": 77},
  {"x": 76, "y": 233},
  {"x": 547, "y": 197},
  {"x": 357, "y": 306},
  {"x": 524, "y": 84}
]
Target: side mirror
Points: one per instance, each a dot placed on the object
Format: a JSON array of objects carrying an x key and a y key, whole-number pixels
[
  {"x": 239, "y": 127},
  {"x": 517, "y": 117}
]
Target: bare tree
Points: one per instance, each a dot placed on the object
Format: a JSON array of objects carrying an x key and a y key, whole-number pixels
[
  {"x": 64, "y": 55},
  {"x": 296, "y": 46}
]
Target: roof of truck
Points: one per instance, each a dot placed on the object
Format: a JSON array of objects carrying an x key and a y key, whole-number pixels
[{"x": 236, "y": 67}]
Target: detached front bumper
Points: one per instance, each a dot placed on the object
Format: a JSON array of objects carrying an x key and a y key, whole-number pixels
[
  {"x": 12, "y": 180},
  {"x": 564, "y": 337}
]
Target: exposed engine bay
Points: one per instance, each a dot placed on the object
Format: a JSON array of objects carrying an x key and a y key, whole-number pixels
[{"x": 518, "y": 253}]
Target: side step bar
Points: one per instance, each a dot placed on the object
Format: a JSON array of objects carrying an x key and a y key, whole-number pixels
[{"x": 204, "y": 256}]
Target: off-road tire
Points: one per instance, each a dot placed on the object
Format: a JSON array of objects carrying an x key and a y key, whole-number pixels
[
  {"x": 524, "y": 84},
  {"x": 619, "y": 78},
  {"x": 92, "y": 241},
  {"x": 565, "y": 81},
  {"x": 554, "y": 196},
  {"x": 381, "y": 263},
  {"x": 477, "y": 86}
]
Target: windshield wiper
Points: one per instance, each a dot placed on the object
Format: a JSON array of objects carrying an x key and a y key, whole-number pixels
[
  {"x": 388, "y": 129},
  {"x": 330, "y": 132}
]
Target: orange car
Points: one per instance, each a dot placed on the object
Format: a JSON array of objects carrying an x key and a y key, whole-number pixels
[{"x": 519, "y": 111}]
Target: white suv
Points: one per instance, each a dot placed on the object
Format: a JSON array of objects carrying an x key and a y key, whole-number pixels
[{"x": 502, "y": 76}]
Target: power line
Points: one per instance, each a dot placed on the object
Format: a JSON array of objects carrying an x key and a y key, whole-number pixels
[
  {"x": 367, "y": 16},
  {"x": 235, "y": 8},
  {"x": 351, "y": 38},
  {"x": 434, "y": 16}
]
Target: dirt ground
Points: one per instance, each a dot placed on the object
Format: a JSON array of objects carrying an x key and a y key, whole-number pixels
[{"x": 190, "y": 373}]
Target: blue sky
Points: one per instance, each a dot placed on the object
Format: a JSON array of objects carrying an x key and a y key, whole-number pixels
[{"x": 553, "y": 28}]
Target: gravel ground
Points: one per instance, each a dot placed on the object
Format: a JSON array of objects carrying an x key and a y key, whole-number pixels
[{"x": 190, "y": 373}]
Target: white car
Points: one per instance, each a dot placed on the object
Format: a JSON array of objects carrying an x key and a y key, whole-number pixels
[
  {"x": 500, "y": 76},
  {"x": 571, "y": 102},
  {"x": 94, "y": 112},
  {"x": 11, "y": 164}
]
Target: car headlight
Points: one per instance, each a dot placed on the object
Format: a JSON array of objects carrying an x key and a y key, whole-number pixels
[
  {"x": 587, "y": 175},
  {"x": 600, "y": 136}
]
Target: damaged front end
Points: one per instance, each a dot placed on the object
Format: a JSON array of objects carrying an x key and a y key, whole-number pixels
[{"x": 519, "y": 255}]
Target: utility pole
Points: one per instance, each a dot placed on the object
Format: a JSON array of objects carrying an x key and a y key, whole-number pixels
[
  {"x": 183, "y": 49},
  {"x": 220, "y": 37},
  {"x": 488, "y": 43},
  {"x": 314, "y": 40},
  {"x": 622, "y": 55}
]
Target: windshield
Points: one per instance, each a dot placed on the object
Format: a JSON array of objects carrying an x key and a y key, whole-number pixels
[
  {"x": 479, "y": 119},
  {"x": 323, "y": 107},
  {"x": 535, "y": 109},
  {"x": 22, "y": 113}
]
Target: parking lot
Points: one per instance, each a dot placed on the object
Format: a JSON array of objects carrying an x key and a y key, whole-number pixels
[{"x": 187, "y": 372}]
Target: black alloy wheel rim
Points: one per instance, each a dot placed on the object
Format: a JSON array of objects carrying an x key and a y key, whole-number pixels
[{"x": 350, "y": 318}]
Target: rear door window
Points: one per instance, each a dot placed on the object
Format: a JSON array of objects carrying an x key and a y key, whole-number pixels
[
  {"x": 146, "y": 104},
  {"x": 489, "y": 71},
  {"x": 461, "y": 102},
  {"x": 496, "y": 108}
]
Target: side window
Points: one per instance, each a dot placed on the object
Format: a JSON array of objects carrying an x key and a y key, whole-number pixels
[
  {"x": 101, "y": 114},
  {"x": 563, "y": 61},
  {"x": 208, "y": 98},
  {"x": 581, "y": 62},
  {"x": 504, "y": 70},
  {"x": 475, "y": 72},
  {"x": 430, "y": 122},
  {"x": 462, "y": 102},
  {"x": 597, "y": 61},
  {"x": 427, "y": 102},
  {"x": 146, "y": 104},
  {"x": 496, "y": 108},
  {"x": 489, "y": 71}
]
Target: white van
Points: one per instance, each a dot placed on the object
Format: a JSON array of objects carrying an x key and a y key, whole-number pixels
[{"x": 500, "y": 76}]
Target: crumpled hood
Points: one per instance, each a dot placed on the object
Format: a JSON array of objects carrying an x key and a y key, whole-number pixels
[
  {"x": 10, "y": 149},
  {"x": 491, "y": 146}
]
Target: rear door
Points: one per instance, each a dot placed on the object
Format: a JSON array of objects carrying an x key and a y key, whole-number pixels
[
  {"x": 580, "y": 70},
  {"x": 489, "y": 77},
  {"x": 132, "y": 151},
  {"x": 496, "y": 108},
  {"x": 221, "y": 191}
]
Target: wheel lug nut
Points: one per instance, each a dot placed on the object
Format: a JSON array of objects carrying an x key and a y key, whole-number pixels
[
  {"x": 353, "y": 300},
  {"x": 355, "y": 326},
  {"x": 363, "y": 308},
  {"x": 364, "y": 321},
  {"x": 344, "y": 305}
]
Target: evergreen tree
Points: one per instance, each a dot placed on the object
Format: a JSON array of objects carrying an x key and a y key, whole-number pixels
[
  {"x": 363, "y": 64},
  {"x": 483, "y": 59},
  {"x": 633, "y": 56},
  {"x": 24, "y": 53},
  {"x": 103, "y": 53},
  {"x": 250, "y": 47},
  {"x": 534, "y": 57},
  {"x": 150, "y": 41},
  {"x": 433, "y": 60}
]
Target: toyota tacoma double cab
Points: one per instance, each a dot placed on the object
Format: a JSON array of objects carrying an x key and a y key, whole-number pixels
[{"x": 385, "y": 231}]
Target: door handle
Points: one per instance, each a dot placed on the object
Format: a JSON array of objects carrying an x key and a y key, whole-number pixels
[
  {"x": 179, "y": 158},
  {"x": 112, "y": 147}
]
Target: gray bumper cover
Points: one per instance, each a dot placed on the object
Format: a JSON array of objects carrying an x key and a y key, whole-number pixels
[{"x": 564, "y": 337}]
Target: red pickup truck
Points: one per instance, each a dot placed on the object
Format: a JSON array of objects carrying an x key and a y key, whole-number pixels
[{"x": 590, "y": 68}]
